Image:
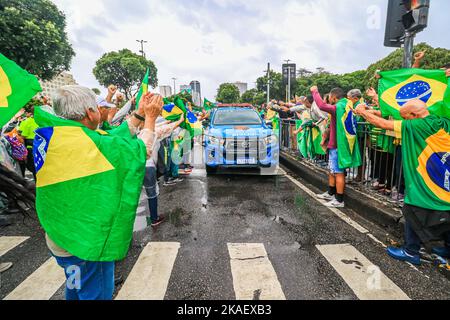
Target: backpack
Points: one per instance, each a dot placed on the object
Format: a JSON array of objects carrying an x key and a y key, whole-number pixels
[{"x": 18, "y": 150}]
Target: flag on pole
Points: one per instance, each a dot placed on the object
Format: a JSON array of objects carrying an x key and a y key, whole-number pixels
[
  {"x": 398, "y": 87},
  {"x": 144, "y": 87},
  {"x": 17, "y": 88},
  {"x": 208, "y": 105}
]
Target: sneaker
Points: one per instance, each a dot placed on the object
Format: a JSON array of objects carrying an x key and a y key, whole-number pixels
[
  {"x": 170, "y": 182},
  {"x": 402, "y": 255},
  {"x": 178, "y": 180},
  {"x": 326, "y": 196},
  {"x": 335, "y": 204},
  {"x": 443, "y": 252},
  {"x": 158, "y": 222}
]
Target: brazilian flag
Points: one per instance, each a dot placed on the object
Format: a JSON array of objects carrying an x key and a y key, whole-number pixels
[
  {"x": 398, "y": 87},
  {"x": 426, "y": 161},
  {"x": 208, "y": 105},
  {"x": 173, "y": 112},
  {"x": 347, "y": 138},
  {"x": 309, "y": 140},
  {"x": 301, "y": 145},
  {"x": 17, "y": 87},
  {"x": 88, "y": 186},
  {"x": 144, "y": 87}
]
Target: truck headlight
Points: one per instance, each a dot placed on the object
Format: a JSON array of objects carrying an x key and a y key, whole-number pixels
[
  {"x": 271, "y": 140},
  {"x": 213, "y": 140}
]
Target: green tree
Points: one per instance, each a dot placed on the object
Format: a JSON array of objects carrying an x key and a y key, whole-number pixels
[
  {"x": 125, "y": 69},
  {"x": 277, "y": 89},
  {"x": 435, "y": 58},
  {"x": 228, "y": 93},
  {"x": 249, "y": 96},
  {"x": 96, "y": 91},
  {"x": 33, "y": 35},
  {"x": 259, "y": 99}
]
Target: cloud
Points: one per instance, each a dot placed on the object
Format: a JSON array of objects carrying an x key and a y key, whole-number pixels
[{"x": 216, "y": 41}]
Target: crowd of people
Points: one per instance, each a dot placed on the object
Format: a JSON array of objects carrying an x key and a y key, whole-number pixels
[
  {"x": 161, "y": 149},
  {"x": 427, "y": 219}
]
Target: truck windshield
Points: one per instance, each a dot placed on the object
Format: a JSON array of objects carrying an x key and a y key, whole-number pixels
[{"x": 236, "y": 117}]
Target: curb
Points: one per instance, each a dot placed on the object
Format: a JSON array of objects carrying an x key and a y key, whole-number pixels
[{"x": 367, "y": 207}]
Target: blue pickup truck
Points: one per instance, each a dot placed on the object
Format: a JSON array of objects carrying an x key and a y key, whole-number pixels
[{"x": 237, "y": 137}]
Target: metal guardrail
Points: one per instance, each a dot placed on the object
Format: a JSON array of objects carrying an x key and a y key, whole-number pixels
[{"x": 381, "y": 174}]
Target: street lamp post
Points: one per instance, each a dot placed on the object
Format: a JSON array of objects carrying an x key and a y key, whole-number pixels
[
  {"x": 288, "y": 92},
  {"x": 174, "y": 86},
  {"x": 268, "y": 83},
  {"x": 142, "y": 47}
]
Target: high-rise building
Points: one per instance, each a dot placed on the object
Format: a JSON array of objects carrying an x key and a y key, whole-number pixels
[
  {"x": 185, "y": 87},
  {"x": 64, "y": 79},
  {"x": 242, "y": 86},
  {"x": 196, "y": 93},
  {"x": 165, "y": 91}
]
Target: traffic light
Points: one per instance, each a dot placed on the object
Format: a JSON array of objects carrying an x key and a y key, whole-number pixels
[
  {"x": 416, "y": 19},
  {"x": 405, "y": 16},
  {"x": 395, "y": 31}
]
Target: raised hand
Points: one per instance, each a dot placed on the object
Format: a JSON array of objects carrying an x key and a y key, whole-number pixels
[
  {"x": 371, "y": 92},
  {"x": 112, "y": 89},
  {"x": 314, "y": 89},
  {"x": 152, "y": 105},
  {"x": 420, "y": 55}
]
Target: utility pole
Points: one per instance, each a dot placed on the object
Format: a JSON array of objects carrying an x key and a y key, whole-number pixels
[
  {"x": 288, "y": 91},
  {"x": 142, "y": 42},
  {"x": 174, "y": 86},
  {"x": 408, "y": 49},
  {"x": 268, "y": 83}
]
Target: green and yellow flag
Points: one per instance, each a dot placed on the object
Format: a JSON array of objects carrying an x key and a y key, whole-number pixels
[
  {"x": 309, "y": 139},
  {"x": 88, "y": 186},
  {"x": 426, "y": 161},
  {"x": 208, "y": 105},
  {"x": 144, "y": 88},
  {"x": 398, "y": 87},
  {"x": 17, "y": 87},
  {"x": 347, "y": 135}
]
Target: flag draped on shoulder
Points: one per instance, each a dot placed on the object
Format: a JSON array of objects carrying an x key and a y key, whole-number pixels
[
  {"x": 426, "y": 162},
  {"x": 347, "y": 139},
  {"x": 88, "y": 186},
  {"x": 398, "y": 87},
  {"x": 17, "y": 87}
]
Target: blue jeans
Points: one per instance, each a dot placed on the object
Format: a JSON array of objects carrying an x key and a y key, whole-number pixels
[
  {"x": 151, "y": 187},
  {"x": 413, "y": 242},
  {"x": 87, "y": 280}
]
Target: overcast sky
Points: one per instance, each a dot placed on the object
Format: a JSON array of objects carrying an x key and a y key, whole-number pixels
[{"x": 216, "y": 41}]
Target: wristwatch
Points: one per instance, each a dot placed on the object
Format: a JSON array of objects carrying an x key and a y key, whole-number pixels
[{"x": 139, "y": 117}]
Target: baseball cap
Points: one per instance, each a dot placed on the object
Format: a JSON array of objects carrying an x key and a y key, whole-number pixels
[{"x": 101, "y": 102}]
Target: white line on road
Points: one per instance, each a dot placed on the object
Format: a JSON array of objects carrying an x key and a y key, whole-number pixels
[
  {"x": 9, "y": 243},
  {"x": 150, "y": 276},
  {"x": 363, "y": 277},
  {"x": 254, "y": 277},
  {"x": 41, "y": 284}
]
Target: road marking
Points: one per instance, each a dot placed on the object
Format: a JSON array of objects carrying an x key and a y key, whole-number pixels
[
  {"x": 363, "y": 277},
  {"x": 337, "y": 212},
  {"x": 254, "y": 277},
  {"x": 41, "y": 284},
  {"x": 9, "y": 243},
  {"x": 150, "y": 276}
]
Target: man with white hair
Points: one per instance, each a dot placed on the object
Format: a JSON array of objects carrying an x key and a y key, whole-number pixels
[{"x": 88, "y": 186}]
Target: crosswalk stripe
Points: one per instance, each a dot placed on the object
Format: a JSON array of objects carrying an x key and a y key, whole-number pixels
[
  {"x": 254, "y": 277},
  {"x": 363, "y": 277},
  {"x": 9, "y": 243},
  {"x": 41, "y": 284},
  {"x": 150, "y": 276}
]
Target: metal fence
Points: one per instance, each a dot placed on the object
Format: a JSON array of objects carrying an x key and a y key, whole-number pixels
[{"x": 381, "y": 173}]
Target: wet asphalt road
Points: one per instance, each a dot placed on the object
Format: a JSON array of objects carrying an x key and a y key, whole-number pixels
[{"x": 205, "y": 213}]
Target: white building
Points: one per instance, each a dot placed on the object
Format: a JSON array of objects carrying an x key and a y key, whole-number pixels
[
  {"x": 64, "y": 79},
  {"x": 242, "y": 86},
  {"x": 165, "y": 91}
]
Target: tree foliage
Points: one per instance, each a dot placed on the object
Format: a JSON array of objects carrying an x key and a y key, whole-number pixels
[
  {"x": 125, "y": 69},
  {"x": 228, "y": 93},
  {"x": 33, "y": 35},
  {"x": 249, "y": 96}
]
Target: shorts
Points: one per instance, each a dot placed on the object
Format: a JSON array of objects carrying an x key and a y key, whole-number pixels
[{"x": 333, "y": 163}]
